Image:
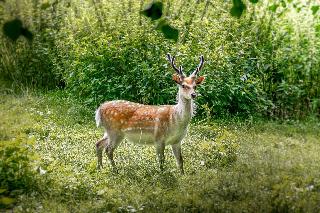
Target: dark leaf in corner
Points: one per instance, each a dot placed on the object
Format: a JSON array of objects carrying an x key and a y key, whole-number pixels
[
  {"x": 12, "y": 29},
  {"x": 153, "y": 11},
  {"x": 237, "y": 8},
  {"x": 169, "y": 32},
  {"x": 254, "y": 1}
]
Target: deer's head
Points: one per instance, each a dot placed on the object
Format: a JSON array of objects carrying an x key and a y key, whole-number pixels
[{"x": 187, "y": 85}]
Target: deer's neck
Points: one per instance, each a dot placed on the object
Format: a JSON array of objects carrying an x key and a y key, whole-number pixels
[{"x": 184, "y": 109}]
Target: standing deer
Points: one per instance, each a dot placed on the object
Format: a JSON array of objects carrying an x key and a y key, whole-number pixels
[{"x": 151, "y": 125}]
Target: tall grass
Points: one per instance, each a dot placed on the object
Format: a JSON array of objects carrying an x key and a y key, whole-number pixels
[{"x": 49, "y": 165}]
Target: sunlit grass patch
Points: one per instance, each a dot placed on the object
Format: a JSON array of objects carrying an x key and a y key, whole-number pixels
[{"x": 229, "y": 166}]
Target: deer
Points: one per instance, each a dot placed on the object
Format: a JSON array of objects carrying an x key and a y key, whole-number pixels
[{"x": 158, "y": 125}]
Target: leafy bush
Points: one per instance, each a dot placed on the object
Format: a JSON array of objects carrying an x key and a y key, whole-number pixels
[
  {"x": 219, "y": 147},
  {"x": 264, "y": 63},
  {"x": 18, "y": 169}
]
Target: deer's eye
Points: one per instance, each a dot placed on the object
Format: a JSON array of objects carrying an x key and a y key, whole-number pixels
[
  {"x": 195, "y": 87},
  {"x": 183, "y": 86}
]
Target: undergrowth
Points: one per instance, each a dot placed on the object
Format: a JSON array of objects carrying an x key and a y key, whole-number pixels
[
  {"x": 266, "y": 62},
  {"x": 230, "y": 167}
]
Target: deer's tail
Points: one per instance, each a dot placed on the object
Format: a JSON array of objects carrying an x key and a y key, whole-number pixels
[{"x": 98, "y": 117}]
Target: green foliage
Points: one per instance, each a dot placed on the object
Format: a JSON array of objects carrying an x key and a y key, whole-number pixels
[
  {"x": 237, "y": 8},
  {"x": 315, "y": 9},
  {"x": 21, "y": 170},
  {"x": 17, "y": 172},
  {"x": 154, "y": 11},
  {"x": 168, "y": 31},
  {"x": 265, "y": 63},
  {"x": 230, "y": 166},
  {"x": 219, "y": 147},
  {"x": 273, "y": 7}
]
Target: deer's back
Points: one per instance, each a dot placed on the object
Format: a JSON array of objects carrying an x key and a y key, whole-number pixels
[{"x": 126, "y": 115}]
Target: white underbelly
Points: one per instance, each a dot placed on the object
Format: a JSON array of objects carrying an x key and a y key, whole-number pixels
[
  {"x": 147, "y": 137},
  {"x": 139, "y": 137}
]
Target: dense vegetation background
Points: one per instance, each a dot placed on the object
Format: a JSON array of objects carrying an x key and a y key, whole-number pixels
[
  {"x": 266, "y": 62},
  {"x": 60, "y": 59}
]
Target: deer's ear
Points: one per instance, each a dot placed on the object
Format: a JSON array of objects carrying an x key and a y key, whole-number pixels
[
  {"x": 200, "y": 80},
  {"x": 176, "y": 78}
]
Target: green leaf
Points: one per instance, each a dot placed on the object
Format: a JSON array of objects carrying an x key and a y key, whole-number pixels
[
  {"x": 153, "y": 11},
  {"x": 237, "y": 8},
  {"x": 45, "y": 5},
  {"x": 6, "y": 200},
  {"x": 273, "y": 7},
  {"x": 170, "y": 32},
  {"x": 314, "y": 9},
  {"x": 317, "y": 28},
  {"x": 254, "y": 1}
]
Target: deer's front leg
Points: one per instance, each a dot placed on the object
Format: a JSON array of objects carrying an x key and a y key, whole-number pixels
[
  {"x": 160, "y": 154},
  {"x": 176, "y": 149}
]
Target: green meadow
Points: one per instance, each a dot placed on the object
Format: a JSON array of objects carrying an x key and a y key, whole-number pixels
[
  {"x": 253, "y": 145},
  {"x": 48, "y": 161}
]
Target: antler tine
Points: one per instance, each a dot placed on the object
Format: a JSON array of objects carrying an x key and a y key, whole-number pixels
[
  {"x": 199, "y": 66},
  {"x": 171, "y": 60}
]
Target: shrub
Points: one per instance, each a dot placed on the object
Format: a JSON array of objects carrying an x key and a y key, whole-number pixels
[
  {"x": 18, "y": 169},
  {"x": 264, "y": 63}
]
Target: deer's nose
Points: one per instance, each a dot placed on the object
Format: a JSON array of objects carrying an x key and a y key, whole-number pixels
[{"x": 193, "y": 95}]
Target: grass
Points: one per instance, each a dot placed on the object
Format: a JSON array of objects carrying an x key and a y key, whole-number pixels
[{"x": 244, "y": 166}]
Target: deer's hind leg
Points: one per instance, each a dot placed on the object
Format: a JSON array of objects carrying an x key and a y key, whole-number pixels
[
  {"x": 100, "y": 146},
  {"x": 114, "y": 140}
]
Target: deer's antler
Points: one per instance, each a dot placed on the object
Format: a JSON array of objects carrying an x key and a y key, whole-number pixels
[
  {"x": 171, "y": 60},
  {"x": 195, "y": 73}
]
